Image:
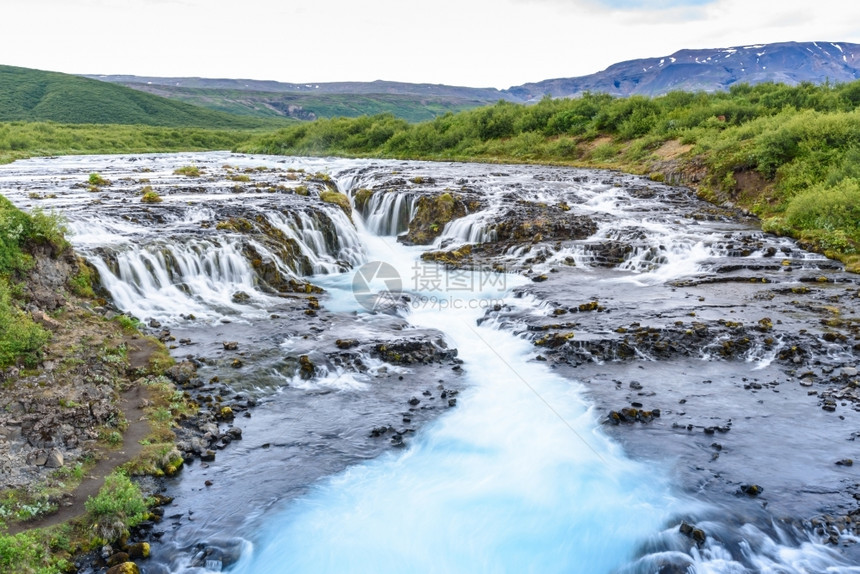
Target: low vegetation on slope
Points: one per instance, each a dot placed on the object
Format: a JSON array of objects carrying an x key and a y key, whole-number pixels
[
  {"x": 789, "y": 154},
  {"x": 21, "y": 339},
  {"x": 35, "y": 95},
  {"x": 303, "y": 106}
]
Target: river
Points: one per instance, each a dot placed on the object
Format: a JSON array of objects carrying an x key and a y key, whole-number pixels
[{"x": 627, "y": 359}]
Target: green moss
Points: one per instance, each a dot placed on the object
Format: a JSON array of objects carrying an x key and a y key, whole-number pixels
[
  {"x": 338, "y": 199},
  {"x": 81, "y": 283},
  {"x": 97, "y": 180},
  {"x": 150, "y": 196},
  {"x": 431, "y": 216},
  {"x": 362, "y": 196},
  {"x": 188, "y": 170}
]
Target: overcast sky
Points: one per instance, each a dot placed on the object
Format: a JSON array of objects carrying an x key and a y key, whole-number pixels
[{"x": 479, "y": 43}]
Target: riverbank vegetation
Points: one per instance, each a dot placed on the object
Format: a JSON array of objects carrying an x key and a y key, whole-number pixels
[
  {"x": 19, "y": 140},
  {"x": 21, "y": 339},
  {"x": 788, "y": 154},
  {"x": 91, "y": 357}
]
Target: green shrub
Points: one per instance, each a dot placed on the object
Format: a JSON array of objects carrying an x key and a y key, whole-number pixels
[
  {"x": 118, "y": 506},
  {"x": 81, "y": 283},
  {"x": 827, "y": 208},
  {"x": 20, "y": 338},
  {"x": 27, "y": 552},
  {"x": 48, "y": 228}
]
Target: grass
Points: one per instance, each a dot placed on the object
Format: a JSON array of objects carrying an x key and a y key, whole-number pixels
[
  {"x": 21, "y": 339},
  {"x": 21, "y": 139}
]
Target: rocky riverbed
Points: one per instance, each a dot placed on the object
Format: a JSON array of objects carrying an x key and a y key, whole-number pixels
[{"x": 720, "y": 356}]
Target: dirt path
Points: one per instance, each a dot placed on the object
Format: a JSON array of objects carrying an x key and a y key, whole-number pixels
[{"x": 138, "y": 429}]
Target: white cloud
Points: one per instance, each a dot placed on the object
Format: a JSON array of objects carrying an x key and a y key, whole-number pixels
[{"x": 466, "y": 42}]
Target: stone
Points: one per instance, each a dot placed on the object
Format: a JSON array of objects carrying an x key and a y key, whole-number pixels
[
  {"x": 230, "y": 345},
  {"x": 183, "y": 372},
  {"x": 845, "y": 462},
  {"x": 848, "y": 372},
  {"x": 39, "y": 458},
  {"x": 346, "y": 343},
  {"x": 124, "y": 568},
  {"x": 55, "y": 459},
  {"x": 751, "y": 489},
  {"x": 241, "y": 297},
  {"x": 118, "y": 558},
  {"x": 45, "y": 320},
  {"x": 696, "y": 534}
]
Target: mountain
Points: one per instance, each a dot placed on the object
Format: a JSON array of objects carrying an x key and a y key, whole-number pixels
[
  {"x": 35, "y": 95},
  {"x": 710, "y": 70}
]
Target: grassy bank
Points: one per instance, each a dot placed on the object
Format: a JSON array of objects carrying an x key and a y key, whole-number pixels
[
  {"x": 788, "y": 154},
  {"x": 21, "y": 339},
  {"x": 88, "y": 352},
  {"x": 20, "y": 140}
]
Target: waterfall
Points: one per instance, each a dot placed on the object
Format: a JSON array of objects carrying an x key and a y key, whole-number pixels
[{"x": 518, "y": 474}]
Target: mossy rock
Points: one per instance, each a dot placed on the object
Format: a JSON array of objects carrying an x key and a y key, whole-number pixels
[
  {"x": 338, "y": 199},
  {"x": 361, "y": 198},
  {"x": 138, "y": 550},
  {"x": 124, "y": 568},
  {"x": 150, "y": 197},
  {"x": 431, "y": 216}
]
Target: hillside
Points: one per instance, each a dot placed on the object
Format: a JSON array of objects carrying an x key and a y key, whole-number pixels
[
  {"x": 35, "y": 95},
  {"x": 711, "y": 71},
  {"x": 412, "y": 102},
  {"x": 311, "y": 106}
]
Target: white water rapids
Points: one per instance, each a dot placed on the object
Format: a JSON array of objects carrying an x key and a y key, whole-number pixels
[
  {"x": 517, "y": 479},
  {"x": 519, "y": 476}
]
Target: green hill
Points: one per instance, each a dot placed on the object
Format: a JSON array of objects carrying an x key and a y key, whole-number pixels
[
  {"x": 35, "y": 95},
  {"x": 311, "y": 106}
]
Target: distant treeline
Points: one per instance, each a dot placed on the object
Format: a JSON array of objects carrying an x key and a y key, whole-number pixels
[{"x": 789, "y": 154}]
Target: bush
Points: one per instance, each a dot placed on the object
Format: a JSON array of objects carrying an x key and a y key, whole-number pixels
[
  {"x": 119, "y": 505},
  {"x": 20, "y": 338},
  {"x": 827, "y": 208}
]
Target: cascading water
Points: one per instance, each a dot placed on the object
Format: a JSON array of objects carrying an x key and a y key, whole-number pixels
[
  {"x": 518, "y": 479},
  {"x": 517, "y": 474}
]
